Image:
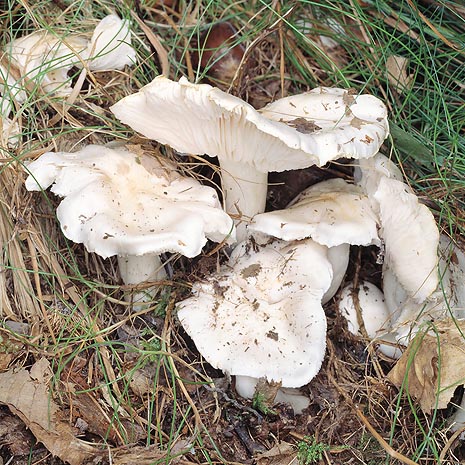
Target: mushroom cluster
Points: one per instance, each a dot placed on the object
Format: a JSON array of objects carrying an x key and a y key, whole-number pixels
[
  {"x": 243, "y": 319},
  {"x": 260, "y": 317},
  {"x": 291, "y": 133}
]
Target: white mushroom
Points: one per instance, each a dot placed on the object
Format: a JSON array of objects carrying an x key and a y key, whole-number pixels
[
  {"x": 331, "y": 212},
  {"x": 115, "y": 206},
  {"x": 261, "y": 316},
  {"x": 45, "y": 58},
  {"x": 325, "y": 124},
  {"x": 411, "y": 238},
  {"x": 369, "y": 171},
  {"x": 246, "y": 387},
  {"x": 338, "y": 256},
  {"x": 447, "y": 300},
  {"x": 407, "y": 227},
  {"x": 374, "y": 312}
]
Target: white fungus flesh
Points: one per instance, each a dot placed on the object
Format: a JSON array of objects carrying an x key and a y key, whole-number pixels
[
  {"x": 446, "y": 301},
  {"x": 45, "y": 59},
  {"x": 411, "y": 238},
  {"x": 369, "y": 171},
  {"x": 110, "y": 46},
  {"x": 261, "y": 315},
  {"x": 332, "y": 122},
  {"x": 246, "y": 387},
  {"x": 338, "y": 256},
  {"x": 42, "y": 57}
]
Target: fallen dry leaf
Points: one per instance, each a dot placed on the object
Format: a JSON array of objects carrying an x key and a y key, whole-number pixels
[
  {"x": 396, "y": 67},
  {"x": 282, "y": 453},
  {"x": 90, "y": 412},
  {"x": 27, "y": 395},
  {"x": 434, "y": 364}
]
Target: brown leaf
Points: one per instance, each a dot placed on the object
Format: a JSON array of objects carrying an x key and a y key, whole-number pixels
[
  {"x": 396, "y": 67},
  {"x": 27, "y": 395},
  {"x": 434, "y": 364},
  {"x": 303, "y": 125},
  {"x": 282, "y": 453}
]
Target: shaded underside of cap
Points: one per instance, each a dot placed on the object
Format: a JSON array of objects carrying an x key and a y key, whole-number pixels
[{"x": 200, "y": 119}]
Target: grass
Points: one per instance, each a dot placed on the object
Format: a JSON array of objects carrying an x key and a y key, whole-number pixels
[
  {"x": 142, "y": 381},
  {"x": 309, "y": 450}
]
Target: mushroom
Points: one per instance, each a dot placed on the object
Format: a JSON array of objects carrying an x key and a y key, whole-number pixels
[
  {"x": 292, "y": 133},
  {"x": 407, "y": 228},
  {"x": 331, "y": 212},
  {"x": 261, "y": 316},
  {"x": 411, "y": 238},
  {"x": 114, "y": 205},
  {"x": 374, "y": 312},
  {"x": 447, "y": 300},
  {"x": 338, "y": 256},
  {"x": 46, "y": 59},
  {"x": 248, "y": 387}
]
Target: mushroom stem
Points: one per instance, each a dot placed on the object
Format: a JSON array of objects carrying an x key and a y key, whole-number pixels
[
  {"x": 244, "y": 190},
  {"x": 136, "y": 269},
  {"x": 246, "y": 387}
]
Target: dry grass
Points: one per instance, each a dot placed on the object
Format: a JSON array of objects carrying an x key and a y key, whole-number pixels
[{"x": 133, "y": 383}]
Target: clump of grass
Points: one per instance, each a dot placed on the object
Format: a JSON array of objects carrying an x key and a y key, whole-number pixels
[{"x": 309, "y": 450}]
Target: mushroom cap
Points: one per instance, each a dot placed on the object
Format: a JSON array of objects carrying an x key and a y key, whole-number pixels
[
  {"x": 42, "y": 54},
  {"x": 411, "y": 238},
  {"x": 447, "y": 300},
  {"x": 369, "y": 172},
  {"x": 45, "y": 56},
  {"x": 332, "y": 212},
  {"x": 114, "y": 206},
  {"x": 332, "y": 122},
  {"x": 200, "y": 119},
  {"x": 110, "y": 46},
  {"x": 375, "y": 313},
  {"x": 261, "y": 316}
]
